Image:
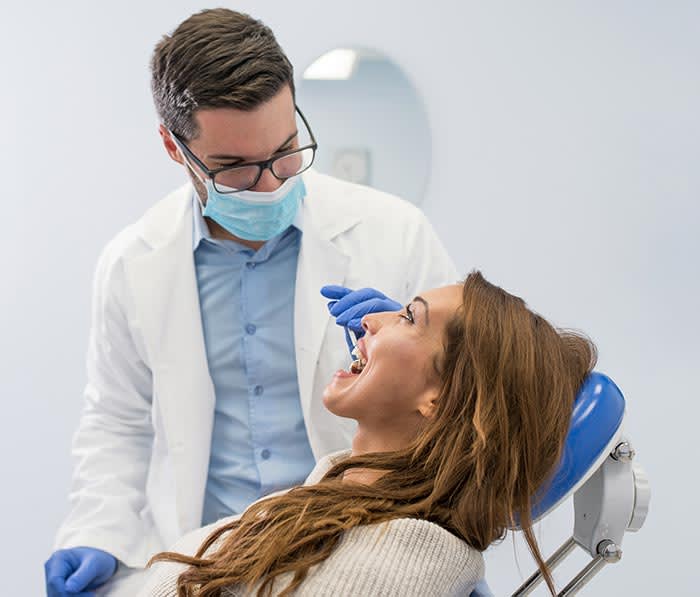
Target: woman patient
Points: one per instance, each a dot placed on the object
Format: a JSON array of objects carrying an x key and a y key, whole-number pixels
[{"x": 463, "y": 404}]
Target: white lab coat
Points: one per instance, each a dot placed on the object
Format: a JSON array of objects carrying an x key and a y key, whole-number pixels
[{"x": 143, "y": 442}]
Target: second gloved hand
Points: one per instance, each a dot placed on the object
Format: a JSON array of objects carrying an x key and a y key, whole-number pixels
[
  {"x": 350, "y": 306},
  {"x": 78, "y": 571}
]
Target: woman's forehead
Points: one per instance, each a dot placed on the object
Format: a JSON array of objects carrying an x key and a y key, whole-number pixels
[
  {"x": 445, "y": 299},
  {"x": 440, "y": 306}
]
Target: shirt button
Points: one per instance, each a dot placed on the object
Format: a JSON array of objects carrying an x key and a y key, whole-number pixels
[
  {"x": 258, "y": 390},
  {"x": 250, "y": 329},
  {"x": 250, "y": 265},
  {"x": 265, "y": 454}
]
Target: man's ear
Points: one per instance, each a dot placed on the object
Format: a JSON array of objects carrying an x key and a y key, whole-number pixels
[
  {"x": 427, "y": 406},
  {"x": 170, "y": 147}
]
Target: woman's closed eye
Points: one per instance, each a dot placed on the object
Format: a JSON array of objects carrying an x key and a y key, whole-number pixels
[{"x": 408, "y": 316}]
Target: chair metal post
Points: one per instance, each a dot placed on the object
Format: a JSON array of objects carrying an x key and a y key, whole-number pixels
[
  {"x": 531, "y": 583},
  {"x": 608, "y": 553}
]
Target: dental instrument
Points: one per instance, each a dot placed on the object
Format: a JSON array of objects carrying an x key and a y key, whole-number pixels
[{"x": 356, "y": 365}]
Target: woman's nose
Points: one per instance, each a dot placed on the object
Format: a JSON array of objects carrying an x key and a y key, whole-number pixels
[
  {"x": 366, "y": 324},
  {"x": 371, "y": 322}
]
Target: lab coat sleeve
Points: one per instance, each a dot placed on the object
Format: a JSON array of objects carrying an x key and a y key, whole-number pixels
[{"x": 113, "y": 442}]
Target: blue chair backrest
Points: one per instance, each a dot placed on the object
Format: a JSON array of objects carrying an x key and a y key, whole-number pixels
[{"x": 598, "y": 412}]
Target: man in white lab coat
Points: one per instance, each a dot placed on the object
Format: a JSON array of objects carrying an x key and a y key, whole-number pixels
[{"x": 210, "y": 342}]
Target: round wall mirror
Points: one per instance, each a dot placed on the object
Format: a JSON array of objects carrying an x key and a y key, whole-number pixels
[{"x": 370, "y": 123}]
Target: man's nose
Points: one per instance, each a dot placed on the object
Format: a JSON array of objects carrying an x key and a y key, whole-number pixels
[{"x": 267, "y": 183}]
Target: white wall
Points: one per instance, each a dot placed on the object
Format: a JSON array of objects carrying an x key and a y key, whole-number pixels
[
  {"x": 566, "y": 139},
  {"x": 376, "y": 109}
]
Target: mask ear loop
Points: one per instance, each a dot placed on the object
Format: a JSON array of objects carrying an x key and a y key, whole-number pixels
[{"x": 188, "y": 165}]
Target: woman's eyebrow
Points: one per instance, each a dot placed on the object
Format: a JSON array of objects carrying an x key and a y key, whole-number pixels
[{"x": 420, "y": 299}]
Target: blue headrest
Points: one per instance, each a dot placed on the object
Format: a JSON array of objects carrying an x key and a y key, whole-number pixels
[{"x": 598, "y": 412}]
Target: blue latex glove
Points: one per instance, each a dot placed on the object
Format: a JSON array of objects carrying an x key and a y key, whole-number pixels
[
  {"x": 77, "y": 571},
  {"x": 350, "y": 306}
]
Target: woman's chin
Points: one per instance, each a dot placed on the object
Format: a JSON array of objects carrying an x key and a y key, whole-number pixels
[
  {"x": 338, "y": 391},
  {"x": 331, "y": 402}
]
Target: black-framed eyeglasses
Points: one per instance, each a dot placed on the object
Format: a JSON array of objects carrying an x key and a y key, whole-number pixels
[{"x": 241, "y": 177}]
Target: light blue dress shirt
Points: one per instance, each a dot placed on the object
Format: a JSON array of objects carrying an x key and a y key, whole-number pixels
[{"x": 259, "y": 441}]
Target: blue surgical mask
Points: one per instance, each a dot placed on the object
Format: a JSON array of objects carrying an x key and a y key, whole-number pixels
[{"x": 253, "y": 215}]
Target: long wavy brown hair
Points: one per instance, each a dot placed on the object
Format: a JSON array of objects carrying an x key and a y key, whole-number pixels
[{"x": 508, "y": 382}]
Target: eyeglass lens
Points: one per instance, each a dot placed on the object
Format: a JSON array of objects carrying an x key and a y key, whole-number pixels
[{"x": 244, "y": 177}]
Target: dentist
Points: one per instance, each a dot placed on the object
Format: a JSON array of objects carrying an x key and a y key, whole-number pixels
[{"x": 210, "y": 344}]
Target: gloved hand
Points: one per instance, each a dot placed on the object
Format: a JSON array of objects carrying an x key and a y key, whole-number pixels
[
  {"x": 77, "y": 571},
  {"x": 350, "y": 306}
]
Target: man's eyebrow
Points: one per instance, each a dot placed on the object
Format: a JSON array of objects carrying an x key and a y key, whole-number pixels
[
  {"x": 420, "y": 299},
  {"x": 225, "y": 157}
]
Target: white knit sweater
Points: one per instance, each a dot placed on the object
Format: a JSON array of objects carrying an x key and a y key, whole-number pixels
[{"x": 402, "y": 558}]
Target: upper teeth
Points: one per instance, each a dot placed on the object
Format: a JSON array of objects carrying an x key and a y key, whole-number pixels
[{"x": 358, "y": 365}]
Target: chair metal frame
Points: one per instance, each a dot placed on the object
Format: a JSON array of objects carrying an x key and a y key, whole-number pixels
[{"x": 609, "y": 501}]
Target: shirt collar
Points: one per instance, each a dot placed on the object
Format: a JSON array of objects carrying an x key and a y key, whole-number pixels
[{"x": 200, "y": 230}]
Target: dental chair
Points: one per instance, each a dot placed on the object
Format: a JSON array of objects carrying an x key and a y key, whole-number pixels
[{"x": 611, "y": 493}]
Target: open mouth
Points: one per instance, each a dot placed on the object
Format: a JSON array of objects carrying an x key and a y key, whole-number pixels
[{"x": 360, "y": 359}]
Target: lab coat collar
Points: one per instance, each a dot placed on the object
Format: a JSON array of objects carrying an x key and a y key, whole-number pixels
[
  {"x": 325, "y": 221},
  {"x": 320, "y": 262},
  {"x": 164, "y": 289},
  {"x": 163, "y": 222}
]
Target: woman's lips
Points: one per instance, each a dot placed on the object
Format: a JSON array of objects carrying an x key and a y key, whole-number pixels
[{"x": 342, "y": 373}]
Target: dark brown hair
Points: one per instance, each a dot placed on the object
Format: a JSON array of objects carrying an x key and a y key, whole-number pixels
[
  {"x": 216, "y": 58},
  {"x": 508, "y": 383}
]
